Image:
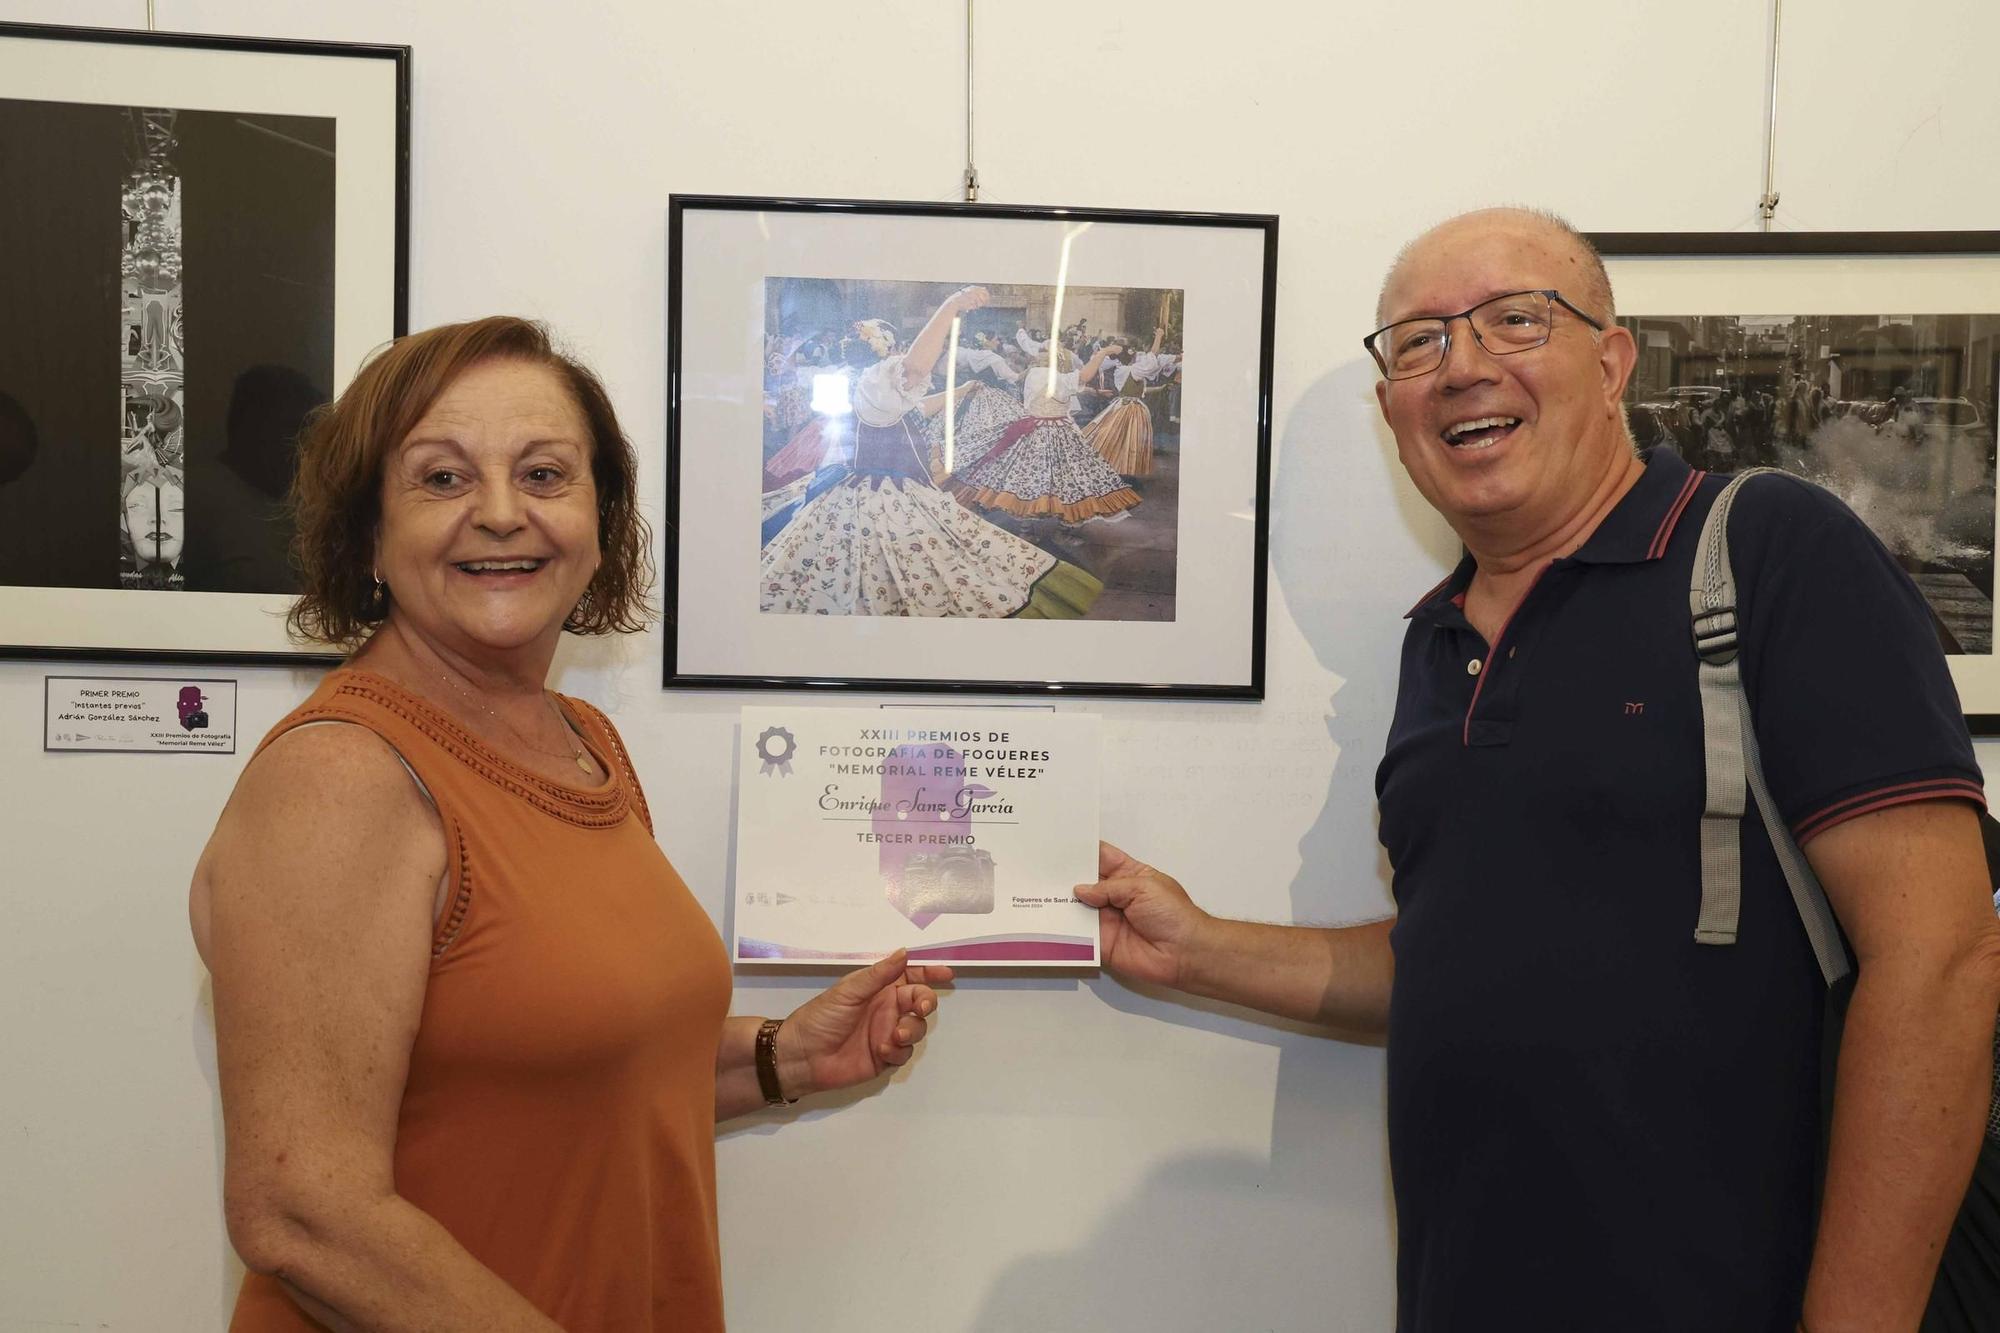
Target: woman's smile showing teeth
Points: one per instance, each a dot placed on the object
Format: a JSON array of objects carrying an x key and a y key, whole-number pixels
[
  {"x": 489, "y": 567},
  {"x": 1480, "y": 432}
]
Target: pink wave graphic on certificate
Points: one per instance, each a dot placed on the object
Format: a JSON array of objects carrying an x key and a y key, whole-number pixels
[{"x": 1026, "y": 948}]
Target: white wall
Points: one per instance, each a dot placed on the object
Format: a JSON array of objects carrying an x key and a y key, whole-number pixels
[{"x": 1066, "y": 1154}]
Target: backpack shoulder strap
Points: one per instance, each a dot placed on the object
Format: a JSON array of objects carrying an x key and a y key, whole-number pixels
[{"x": 1730, "y": 759}]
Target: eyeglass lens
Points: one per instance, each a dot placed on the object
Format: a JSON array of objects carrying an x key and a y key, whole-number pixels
[{"x": 1512, "y": 323}]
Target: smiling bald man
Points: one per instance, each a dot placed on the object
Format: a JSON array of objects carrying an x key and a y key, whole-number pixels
[{"x": 1596, "y": 1122}]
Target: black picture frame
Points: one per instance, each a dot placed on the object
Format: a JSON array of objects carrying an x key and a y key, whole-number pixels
[
  {"x": 289, "y": 266},
  {"x": 739, "y": 265},
  {"x": 1936, "y": 296}
]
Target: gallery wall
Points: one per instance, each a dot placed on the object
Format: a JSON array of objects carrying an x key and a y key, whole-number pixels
[{"x": 1067, "y": 1153}]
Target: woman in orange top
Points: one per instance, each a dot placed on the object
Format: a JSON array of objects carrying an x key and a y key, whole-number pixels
[{"x": 470, "y": 1024}]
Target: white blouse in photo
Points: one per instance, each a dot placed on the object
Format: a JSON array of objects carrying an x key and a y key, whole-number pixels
[
  {"x": 1045, "y": 398},
  {"x": 879, "y": 396}
]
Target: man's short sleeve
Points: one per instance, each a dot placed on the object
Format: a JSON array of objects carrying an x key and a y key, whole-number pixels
[{"x": 1853, "y": 704}]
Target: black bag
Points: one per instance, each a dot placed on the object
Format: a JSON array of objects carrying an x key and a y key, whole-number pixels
[{"x": 1965, "y": 1298}]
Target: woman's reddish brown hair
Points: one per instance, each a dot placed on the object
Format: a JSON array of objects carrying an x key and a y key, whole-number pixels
[{"x": 336, "y": 494}]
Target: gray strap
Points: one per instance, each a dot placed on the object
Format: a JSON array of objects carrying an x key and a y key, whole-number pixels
[
  {"x": 1729, "y": 744},
  {"x": 1712, "y": 603},
  {"x": 1815, "y": 912},
  {"x": 1722, "y": 731}
]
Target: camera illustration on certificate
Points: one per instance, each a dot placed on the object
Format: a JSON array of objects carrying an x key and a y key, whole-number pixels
[{"x": 958, "y": 834}]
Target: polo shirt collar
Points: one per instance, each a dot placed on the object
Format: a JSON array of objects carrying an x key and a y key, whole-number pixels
[
  {"x": 1636, "y": 530},
  {"x": 1639, "y": 526}
]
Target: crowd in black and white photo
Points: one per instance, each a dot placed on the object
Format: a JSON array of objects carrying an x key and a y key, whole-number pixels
[{"x": 1894, "y": 414}]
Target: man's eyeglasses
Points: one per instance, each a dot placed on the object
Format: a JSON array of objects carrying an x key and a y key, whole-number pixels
[{"x": 1516, "y": 322}]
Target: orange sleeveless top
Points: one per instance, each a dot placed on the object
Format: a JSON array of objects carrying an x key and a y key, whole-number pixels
[{"x": 559, "y": 1115}]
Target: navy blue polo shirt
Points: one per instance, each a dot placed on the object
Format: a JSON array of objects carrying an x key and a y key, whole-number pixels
[{"x": 1594, "y": 1122}]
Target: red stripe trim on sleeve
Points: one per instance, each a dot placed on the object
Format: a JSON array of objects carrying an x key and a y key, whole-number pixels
[
  {"x": 1931, "y": 789},
  {"x": 1845, "y": 801},
  {"x": 1667, "y": 524}
]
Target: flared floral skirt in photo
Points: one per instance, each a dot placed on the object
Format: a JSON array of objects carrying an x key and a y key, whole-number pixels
[
  {"x": 1046, "y": 469},
  {"x": 875, "y": 545}
]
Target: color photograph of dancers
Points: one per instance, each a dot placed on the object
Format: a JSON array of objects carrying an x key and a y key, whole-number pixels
[{"x": 991, "y": 451}]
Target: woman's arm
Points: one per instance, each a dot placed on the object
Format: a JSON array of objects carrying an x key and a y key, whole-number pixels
[
  {"x": 934, "y": 404},
  {"x": 315, "y": 904},
  {"x": 1089, "y": 372},
  {"x": 922, "y": 358},
  {"x": 859, "y": 1028}
]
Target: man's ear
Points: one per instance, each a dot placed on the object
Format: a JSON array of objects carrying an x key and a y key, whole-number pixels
[
  {"x": 1617, "y": 356},
  {"x": 1382, "y": 401}
]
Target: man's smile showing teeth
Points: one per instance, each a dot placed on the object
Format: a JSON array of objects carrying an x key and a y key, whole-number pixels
[
  {"x": 499, "y": 566},
  {"x": 1480, "y": 432}
]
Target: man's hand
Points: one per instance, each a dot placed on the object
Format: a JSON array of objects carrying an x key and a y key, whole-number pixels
[
  {"x": 1147, "y": 922},
  {"x": 1151, "y": 931}
]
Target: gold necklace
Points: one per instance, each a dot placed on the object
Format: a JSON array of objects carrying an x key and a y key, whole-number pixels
[{"x": 577, "y": 751}]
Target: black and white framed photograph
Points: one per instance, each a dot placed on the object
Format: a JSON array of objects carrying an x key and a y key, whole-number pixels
[
  {"x": 1868, "y": 362},
  {"x": 201, "y": 238},
  {"x": 967, "y": 448}
]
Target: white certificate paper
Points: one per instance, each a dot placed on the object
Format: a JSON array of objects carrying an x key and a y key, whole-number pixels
[{"x": 957, "y": 834}]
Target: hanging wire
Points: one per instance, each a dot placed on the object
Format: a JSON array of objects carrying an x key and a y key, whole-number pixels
[
  {"x": 1767, "y": 203},
  {"x": 971, "y": 172}
]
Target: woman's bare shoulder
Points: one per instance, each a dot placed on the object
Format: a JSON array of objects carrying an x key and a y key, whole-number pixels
[{"x": 325, "y": 815}]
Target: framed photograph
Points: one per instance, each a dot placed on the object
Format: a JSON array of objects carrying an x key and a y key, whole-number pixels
[
  {"x": 200, "y": 240},
  {"x": 967, "y": 448},
  {"x": 1867, "y": 362}
]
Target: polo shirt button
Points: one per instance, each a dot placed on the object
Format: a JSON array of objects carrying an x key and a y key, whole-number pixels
[{"x": 1472, "y": 667}]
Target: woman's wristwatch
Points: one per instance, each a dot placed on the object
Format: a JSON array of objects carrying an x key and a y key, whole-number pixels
[{"x": 767, "y": 1064}]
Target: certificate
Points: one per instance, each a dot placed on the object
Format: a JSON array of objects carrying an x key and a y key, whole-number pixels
[
  {"x": 139, "y": 714},
  {"x": 959, "y": 834}
]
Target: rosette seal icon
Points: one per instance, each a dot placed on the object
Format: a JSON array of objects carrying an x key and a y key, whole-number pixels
[{"x": 776, "y": 748}]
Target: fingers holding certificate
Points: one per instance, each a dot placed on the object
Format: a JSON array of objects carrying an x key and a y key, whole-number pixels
[
  {"x": 862, "y": 1026},
  {"x": 1147, "y": 921},
  {"x": 954, "y": 834}
]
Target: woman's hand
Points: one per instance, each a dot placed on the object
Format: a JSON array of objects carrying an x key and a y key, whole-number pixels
[
  {"x": 866, "y": 1023},
  {"x": 928, "y": 345},
  {"x": 967, "y": 299}
]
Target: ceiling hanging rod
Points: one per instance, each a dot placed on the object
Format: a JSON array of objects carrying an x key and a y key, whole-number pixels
[
  {"x": 1767, "y": 203},
  {"x": 151, "y": 24},
  {"x": 971, "y": 172}
]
